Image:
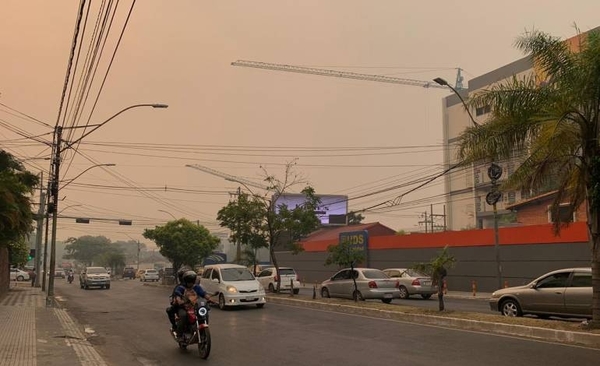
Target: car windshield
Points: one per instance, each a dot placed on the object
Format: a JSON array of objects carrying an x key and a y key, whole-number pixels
[
  {"x": 96, "y": 270},
  {"x": 236, "y": 274},
  {"x": 413, "y": 273},
  {"x": 374, "y": 274}
]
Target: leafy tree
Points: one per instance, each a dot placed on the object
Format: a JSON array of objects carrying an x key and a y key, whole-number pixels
[
  {"x": 113, "y": 258},
  {"x": 130, "y": 249},
  {"x": 437, "y": 268},
  {"x": 554, "y": 124},
  {"x": 259, "y": 221},
  {"x": 183, "y": 242},
  {"x": 18, "y": 253},
  {"x": 346, "y": 254},
  {"x": 16, "y": 187},
  {"x": 87, "y": 249},
  {"x": 354, "y": 218}
]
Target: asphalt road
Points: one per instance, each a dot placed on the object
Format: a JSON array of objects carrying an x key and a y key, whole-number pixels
[{"x": 130, "y": 328}]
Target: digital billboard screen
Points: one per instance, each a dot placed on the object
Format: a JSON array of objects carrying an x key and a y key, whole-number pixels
[{"x": 330, "y": 204}]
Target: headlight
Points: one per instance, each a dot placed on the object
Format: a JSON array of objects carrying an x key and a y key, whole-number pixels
[
  {"x": 202, "y": 311},
  {"x": 231, "y": 289}
]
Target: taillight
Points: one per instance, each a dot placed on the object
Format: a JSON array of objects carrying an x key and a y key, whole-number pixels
[
  {"x": 372, "y": 284},
  {"x": 416, "y": 282},
  {"x": 397, "y": 284}
]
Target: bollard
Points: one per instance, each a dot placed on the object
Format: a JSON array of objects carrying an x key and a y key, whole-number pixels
[
  {"x": 474, "y": 287},
  {"x": 505, "y": 284},
  {"x": 291, "y": 288},
  {"x": 445, "y": 287}
]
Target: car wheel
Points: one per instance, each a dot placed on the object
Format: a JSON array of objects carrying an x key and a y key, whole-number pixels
[
  {"x": 20, "y": 278},
  {"x": 426, "y": 296},
  {"x": 221, "y": 302},
  {"x": 325, "y": 292},
  {"x": 260, "y": 306},
  {"x": 107, "y": 287},
  {"x": 510, "y": 307},
  {"x": 271, "y": 288},
  {"x": 296, "y": 291},
  {"x": 358, "y": 296},
  {"x": 85, "y": 286},
  {"x": 387, "y": 301},
  {"x": 404, "y": 292}
]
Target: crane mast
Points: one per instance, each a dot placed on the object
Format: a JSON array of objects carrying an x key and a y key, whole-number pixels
[
  {"x": 229, "y": 177},
  {"x": 344, "y": 74}
]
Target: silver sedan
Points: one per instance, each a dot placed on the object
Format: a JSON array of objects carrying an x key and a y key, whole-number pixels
[{"x": 371, "y": 283}]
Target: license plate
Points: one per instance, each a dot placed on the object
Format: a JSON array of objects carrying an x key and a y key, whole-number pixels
[
  {"x": 426, "y": 283},
  {"x": 388, "y": 296},
  {"x": 250, "y": 298}
]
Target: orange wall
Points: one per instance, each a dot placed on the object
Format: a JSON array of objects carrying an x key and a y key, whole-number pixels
[{"x": 534, "y": 234}]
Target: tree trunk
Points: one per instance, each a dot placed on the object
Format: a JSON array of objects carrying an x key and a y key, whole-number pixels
[
  {"x": 354, "y": 281},
  {"x": 594, "y": 234},
  {"x": 274, "y": 260},
  {"x": 441, "y": 293}
]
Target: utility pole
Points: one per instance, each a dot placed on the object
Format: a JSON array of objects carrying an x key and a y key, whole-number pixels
[
  {"x": 238, "y": 252},
  {"x": 138, "y": 256},
  {"x": 54, "y": 188},
  {"x": 46, "y": 216},
  {"x": 38, "y": 237}
]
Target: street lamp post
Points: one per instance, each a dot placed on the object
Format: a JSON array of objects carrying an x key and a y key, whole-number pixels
[
  {"x": 492, "y": 198},
  {"x": 167, "y": 212},
  {"x": 54, "y": 185}
]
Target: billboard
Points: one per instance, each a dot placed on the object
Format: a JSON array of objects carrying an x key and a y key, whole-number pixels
[{"x": 331, "y": 204}]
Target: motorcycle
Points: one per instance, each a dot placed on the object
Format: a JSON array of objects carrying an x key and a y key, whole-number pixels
[
  {"x": 196, "y": 331},
  {"x": 70, "y": 278}
]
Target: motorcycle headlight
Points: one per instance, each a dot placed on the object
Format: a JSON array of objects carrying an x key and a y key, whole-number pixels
[
  {"x": 202, "y": 311},
  {"x": 231, "y": 289}
]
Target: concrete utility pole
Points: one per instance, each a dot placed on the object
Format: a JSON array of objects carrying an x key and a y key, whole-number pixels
[
  {"x": 38, "y": 236},
  {"x": 54, "y": 191}
]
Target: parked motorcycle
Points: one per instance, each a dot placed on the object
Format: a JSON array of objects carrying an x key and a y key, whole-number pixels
[
  {"x": 196, "y": 331},
  {"x": 70, "y": 278}
]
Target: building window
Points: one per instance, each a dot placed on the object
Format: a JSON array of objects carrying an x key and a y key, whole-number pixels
[
  {"x": 511, "y": 197},
  {"x": 483, "y": 110},
  {"x": 563, "y": 214}
]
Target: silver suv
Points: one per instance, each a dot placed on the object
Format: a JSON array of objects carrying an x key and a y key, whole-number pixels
[
  {"x": 94, "y": 277},
  {"x": 268, "y": 278}
]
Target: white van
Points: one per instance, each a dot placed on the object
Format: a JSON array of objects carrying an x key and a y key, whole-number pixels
[{"x": 233, "y": 285}]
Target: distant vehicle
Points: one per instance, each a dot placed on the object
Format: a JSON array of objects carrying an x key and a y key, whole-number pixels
[
  {"x": 564, "y": 293},
  {"x": 371, "y": 283},
  {"x": 149, "y": 275},
  {"x": 94, "y": 277},
  {"x": 215, "y": 258},
  {"x": 233, "y": 285},
  {"x": 129, "y": 272},
  {"x": 18, "y": 275},
  {"x": 59, "y": 274},
  {"x": 412, "y": 282},
  {"x": 268, "y": 278}
]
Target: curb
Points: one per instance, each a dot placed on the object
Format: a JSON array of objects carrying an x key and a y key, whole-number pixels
[{"x": 551, "y": 335}]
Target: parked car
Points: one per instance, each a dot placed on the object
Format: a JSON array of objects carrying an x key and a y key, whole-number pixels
[
  {"x": 564, "y": 292},
  {"x": 412, "y": 282},
  {"x": 268, "y": 278},
  {"x": 233, "y": 285},
  {"x": 18, "y": 275},
  {"x": 59, "y": 273},
  {"x": 149, "y": 275},
  {"x": 129, "y": 272},
  {"x": 94, "y": 277},
  {"x": 371, "y": 284}
]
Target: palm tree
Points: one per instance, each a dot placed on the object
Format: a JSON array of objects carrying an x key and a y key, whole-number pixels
[{"x": 552, "y": 126}]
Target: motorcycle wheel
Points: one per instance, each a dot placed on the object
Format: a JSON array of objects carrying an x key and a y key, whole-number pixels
[{"x": 204, "y": 343}]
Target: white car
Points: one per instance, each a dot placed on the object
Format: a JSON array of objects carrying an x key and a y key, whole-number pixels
[
  {"x": 268, "y": 278},
  {"x": 234, "y": 285},
  {"x": 149, "y": 275},
  {"x": 18, "y": 275}
]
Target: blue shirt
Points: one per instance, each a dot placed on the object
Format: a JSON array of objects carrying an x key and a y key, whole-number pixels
[{"x": 180, "y": 290}]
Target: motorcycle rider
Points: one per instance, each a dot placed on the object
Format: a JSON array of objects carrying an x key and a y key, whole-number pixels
[
  {"x": 174, "y": 306},
  {"x": 70, "y": 276},
  {"x": 187, "y": 295}
]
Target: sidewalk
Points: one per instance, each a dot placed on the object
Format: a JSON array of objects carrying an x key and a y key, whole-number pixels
[{"x": 33, "y": 334}]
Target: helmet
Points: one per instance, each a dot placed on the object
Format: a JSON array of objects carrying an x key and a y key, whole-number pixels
[
  {"x": 180, "y": 274},
  {"x": 189, "y": 278}
]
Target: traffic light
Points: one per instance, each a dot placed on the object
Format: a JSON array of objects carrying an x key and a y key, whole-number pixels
[
  {"x": 124, "y": 222},
  {"x": 31, "y": 254},
  {"x": 80, "y": 220}
]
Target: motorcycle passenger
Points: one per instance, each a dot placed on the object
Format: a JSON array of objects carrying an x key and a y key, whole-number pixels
[
  {"x": 187, "y": 295},
  {"x": 174, "y": 306}
]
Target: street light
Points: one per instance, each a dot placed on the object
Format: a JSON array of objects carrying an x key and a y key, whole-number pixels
[
  {"x": 167, "y": 212},
  {"x": 494, "y": 173},
  {"x": 55, "y": 176},
  {"x": 80, "y": 174}
]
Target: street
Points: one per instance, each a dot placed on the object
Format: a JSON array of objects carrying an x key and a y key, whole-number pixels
[{"x": 128, "y": 326}]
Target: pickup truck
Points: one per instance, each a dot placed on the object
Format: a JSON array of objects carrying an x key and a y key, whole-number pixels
[{"x": 94, "y": 277}]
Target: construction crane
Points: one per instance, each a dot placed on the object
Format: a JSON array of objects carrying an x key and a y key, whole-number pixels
[
  {"x": 347, "y": 75},
  {"x": 229, "y": 177}
]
